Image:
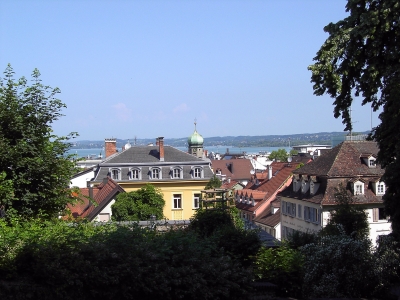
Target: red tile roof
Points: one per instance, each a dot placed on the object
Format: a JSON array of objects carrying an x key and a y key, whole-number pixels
[
  {"x": 102, "y": 195},
  {"x": 341, "y": 165}
]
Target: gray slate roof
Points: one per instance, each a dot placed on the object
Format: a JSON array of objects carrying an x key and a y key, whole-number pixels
[{"x": 146, "y": 157}]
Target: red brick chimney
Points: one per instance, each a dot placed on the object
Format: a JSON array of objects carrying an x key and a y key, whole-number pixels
[
  {"x": 161, "y": 147},
  {"x": 110, "y": 146}
]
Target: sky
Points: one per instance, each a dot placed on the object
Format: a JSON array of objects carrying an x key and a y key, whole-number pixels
[{"x": 152, "y": 68}]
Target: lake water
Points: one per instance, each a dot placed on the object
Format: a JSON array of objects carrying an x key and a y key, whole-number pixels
[{"x": 95, "y": 152}]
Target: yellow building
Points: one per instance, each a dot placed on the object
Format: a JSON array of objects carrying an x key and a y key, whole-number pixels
[{"x": 180, "y": 176}]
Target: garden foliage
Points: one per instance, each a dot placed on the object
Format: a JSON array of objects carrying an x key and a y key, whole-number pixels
[{"x": 43, "y": 260}]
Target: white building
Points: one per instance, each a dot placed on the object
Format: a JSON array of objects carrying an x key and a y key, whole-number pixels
[{"x": 307, "y": 202}]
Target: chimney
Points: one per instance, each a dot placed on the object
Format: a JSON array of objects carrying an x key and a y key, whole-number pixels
[
  {"x": 110, "y": 146},
  {"x": 157, "y": 144},
  {"x": 90, "y": 187},
  {"x": 161, "y": 147},
  {"x": 269, "y": 172}
]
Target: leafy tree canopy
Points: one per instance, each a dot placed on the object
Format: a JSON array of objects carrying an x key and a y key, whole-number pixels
[
  {"x": 139, "y": 205},
  {"x": 352, "y": 218},
  {"x": 279, "y": 154},
  {"x": 361, "y": 58},
  {"x": 33, "y": 163},
  {"x": 213, "y": 183}
]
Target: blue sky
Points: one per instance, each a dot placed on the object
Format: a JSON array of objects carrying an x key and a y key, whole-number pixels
[{"x": 149, "y": 68}]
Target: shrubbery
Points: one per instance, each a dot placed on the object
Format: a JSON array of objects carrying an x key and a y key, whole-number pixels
[{"x": 87, "y": 261}]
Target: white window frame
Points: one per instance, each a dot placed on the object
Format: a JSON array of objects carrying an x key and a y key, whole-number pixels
[
  {"x": 372, "y": 163},
  {"x": 197, "y": 172},
  {"x": 138, "y": 171},
  {"x": 196, "y": 200},
  {"x": 153, "y": 171},
  {"x": 176, "y": 172},
  {"x": 358, "y": 188},
  {"x": 118, "y": 172},
  {"x": 177, "y": 201},
  {"x": 380, "y": 188}
]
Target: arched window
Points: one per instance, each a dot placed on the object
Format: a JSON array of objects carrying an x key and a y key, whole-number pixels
[
  {"x": 176, "y": 172},
  {"x": 197, "y": 172},
  {"x": 155, "y": 173},
  {"x": 135, "y": 174},
  {"x": 115, "y": 174}
]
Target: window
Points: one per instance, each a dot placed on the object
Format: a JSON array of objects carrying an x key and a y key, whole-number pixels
[
  {"x": 196, "y": 201},
  {"x": 115, "y": 174},
  {"x": 312, "y": 215},
  {"x": 176, "y": 173},
  {"x": 379, "y": 214},
  {"x": 134, "y": 174},
  {"x": 197, "y": 172},
  {"x": 155, "y": 173},
  {"x": 372, "y": 163},
  {"x": 177, "y": 201},
  {"x": 299, "y": 210},
  {"x": 380, "y": 188},
  {"x": 358, "y": 189}
]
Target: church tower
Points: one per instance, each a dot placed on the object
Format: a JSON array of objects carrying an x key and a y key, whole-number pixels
[{"x": 195, "y": 143}]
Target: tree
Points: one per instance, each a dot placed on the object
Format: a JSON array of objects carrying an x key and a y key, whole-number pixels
[
  {"x": 279, "y": 154},
  {"x": 31, "y": 156},
  {"x": 352, "y": 218},
  {"x": 338, "y": 266},
  {"x": 139, "y": 205},
  {"x": 213, "y": 183},
  {"x": 361, "y": 57}
]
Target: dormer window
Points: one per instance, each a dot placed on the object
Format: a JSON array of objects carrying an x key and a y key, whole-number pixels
[
  {"x": 304, "y": 186},
  {"x": 358, "y": 188},
  {"x": 296, "y": 185},
  {"x": 372, "y": 162},
  {"x": 135, "y": 174},
  {"x": 176, "y": 172},
  {"x": 197, "y": 172},
  {"x": 380, "y": 188},
  {"x": 155, "y": 173},
  {"x": 115, "y": 174}
]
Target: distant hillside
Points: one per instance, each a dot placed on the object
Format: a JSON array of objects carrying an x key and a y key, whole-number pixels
[{"x": 236, "y": 141}]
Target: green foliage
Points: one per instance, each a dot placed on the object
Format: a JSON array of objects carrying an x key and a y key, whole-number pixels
[
  {"x": 206, "y": 222},
  {"x": 220, "y": 226},
  {"x": 279, "y": 154},
  {"x": 361, "y": 58},
  {"x": 139, "y": 205},
  {"x": 386, "y": 266},
  {"x": 299, "y": 238},
  {"x": 293, "y": 152},
  {"x": 213, "y": 183},
  {"x": 338, "y": 266},
  {"x": 31, "y": 157},
  {"x": 282, "y": 266},
  {"x": 352, "y": 218},
  {"x": 6, "y": 192},
  {"x": 43, "y": 260}
]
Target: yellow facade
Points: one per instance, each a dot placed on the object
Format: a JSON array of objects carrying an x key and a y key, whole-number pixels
[{"x": 174, "y": 208}]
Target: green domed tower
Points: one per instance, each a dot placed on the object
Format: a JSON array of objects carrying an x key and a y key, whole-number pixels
[{"x": 195, "y": 143}]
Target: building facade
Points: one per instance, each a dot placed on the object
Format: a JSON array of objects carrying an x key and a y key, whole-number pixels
[
  {"x": 306, "y": 204},
  {"x": 179, "y": 175}
]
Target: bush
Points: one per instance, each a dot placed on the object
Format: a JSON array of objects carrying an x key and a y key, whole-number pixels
[
  {"x": 281, "y": 266},
  {"x": 338, "y": 266},
  {"x": 107, "y": 261}
]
